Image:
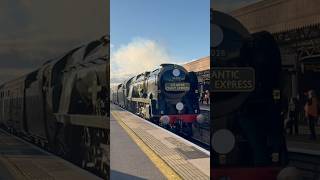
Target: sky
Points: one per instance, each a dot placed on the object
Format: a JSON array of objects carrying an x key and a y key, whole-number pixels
[
  {"x": 34, "y": 31},
  {"x": 146, "y": 33}
]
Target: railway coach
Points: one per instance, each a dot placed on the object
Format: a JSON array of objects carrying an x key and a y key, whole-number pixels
[{"x": 12, "y": 104}]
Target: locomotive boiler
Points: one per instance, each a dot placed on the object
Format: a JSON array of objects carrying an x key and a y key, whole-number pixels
[
  {"x": 62, "y": 106},
  {"x": 247, "y": 138},
  {"x": 168, "y": 96}
]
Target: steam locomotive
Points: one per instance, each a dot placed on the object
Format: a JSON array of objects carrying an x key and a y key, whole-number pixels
[
  {"x": 247, "y": 140},
  {"x": 62, "y": 106},
  {"x": 167, "y": 96}
]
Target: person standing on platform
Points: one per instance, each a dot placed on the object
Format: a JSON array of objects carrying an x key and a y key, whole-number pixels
[
  {"x": 311, "y": 112},
  {"x": 293, "y": 116},
  {"x": 202, "y": 97},
  {"x": 207, "y": 97}
]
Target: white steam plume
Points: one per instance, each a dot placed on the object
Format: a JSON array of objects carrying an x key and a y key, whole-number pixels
[{"x": 136, "y": 57}]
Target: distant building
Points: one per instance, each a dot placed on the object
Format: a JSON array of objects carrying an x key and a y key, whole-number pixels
[
  {"x": 295, "y": 26},
  {"x": 202, "y": 68}
]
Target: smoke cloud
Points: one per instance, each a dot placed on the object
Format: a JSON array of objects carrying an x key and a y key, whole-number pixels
[{"x": 136, "y": 57}]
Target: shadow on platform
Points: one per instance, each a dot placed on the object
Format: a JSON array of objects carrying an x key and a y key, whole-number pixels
[{"x": 114, "y": 175}]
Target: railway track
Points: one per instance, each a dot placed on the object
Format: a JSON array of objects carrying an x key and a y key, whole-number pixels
[
  {"x": 200, "y": 143},
  {"x": 203, "y": 131},
  {"x": 308, "y": 164},
  {"x": 200, "y": 139}
]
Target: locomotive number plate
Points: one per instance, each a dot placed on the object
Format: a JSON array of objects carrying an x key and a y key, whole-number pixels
[
  {"x": 177, "y": 86},
  {"x": 235, "y": 79}
]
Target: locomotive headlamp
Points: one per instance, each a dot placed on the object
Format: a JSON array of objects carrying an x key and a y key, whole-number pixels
[
  {"x": 179, "y": 106},
  {"x": 165, "y": 120},
  {"x": 200, "y": 118},
  {"x": 217, "y": 35},
  {"x": 176, "y": 72},
  {"x": 223, "y": 141}
]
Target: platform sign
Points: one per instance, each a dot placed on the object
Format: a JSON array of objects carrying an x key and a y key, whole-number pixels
[{"x": 235, "y": 79}]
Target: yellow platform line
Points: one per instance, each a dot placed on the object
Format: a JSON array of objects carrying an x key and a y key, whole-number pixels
[{"x": 164, "y": 168}]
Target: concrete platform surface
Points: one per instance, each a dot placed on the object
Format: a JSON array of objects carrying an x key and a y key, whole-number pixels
[
  {"x": 22, "y": 160},
  {"x": 127, "y": 160},
  {"x": 186, "y": 159}
]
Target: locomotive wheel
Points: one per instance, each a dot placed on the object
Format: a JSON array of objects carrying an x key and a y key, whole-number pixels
[
  {"x": 86, "y": 143},
  {"x": 187, "y": 129},
  {"x": 154, "y": 120},
  {"x": 60, "y": 147},
  {"x": 151, "y": 118},
  {"x": 103, "y": 141},
  {"x": 68, "y": 143},
  {"x": 94, "y": 156},
  {"x": 51, "y": 128},
  {"x": 177, "y": 128}
]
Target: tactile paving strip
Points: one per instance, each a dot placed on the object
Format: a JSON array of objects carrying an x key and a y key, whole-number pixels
[
  {"x": 189, "y": 151},
  {"x": 171, "y": 156}
]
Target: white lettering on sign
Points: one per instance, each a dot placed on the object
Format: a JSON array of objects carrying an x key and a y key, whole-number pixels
[
  {"x": 226, "y": 74},
  {"x": 233, "y": 79}
]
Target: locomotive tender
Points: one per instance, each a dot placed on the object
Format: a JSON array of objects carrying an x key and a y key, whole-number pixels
[
  {"x": 168, "y": 95},
  {"x": 62, "y": 105}
]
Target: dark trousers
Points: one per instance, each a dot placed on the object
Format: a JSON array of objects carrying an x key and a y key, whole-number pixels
[
  {"x": 312, "y": 123},
  {"x": 294, "y": 122}
]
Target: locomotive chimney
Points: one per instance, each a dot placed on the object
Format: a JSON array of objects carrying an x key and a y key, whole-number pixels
[
  {"x": 166, "y": 65},
  {"x": 146, "y": 73}
]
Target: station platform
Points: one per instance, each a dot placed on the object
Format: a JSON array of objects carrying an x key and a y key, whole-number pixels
[
  {"x": 301, "y": 143},
  {"x": 147, "y": 151},
  {"x": 23, "y": 161},
  {"x": 127, "y": 160}
]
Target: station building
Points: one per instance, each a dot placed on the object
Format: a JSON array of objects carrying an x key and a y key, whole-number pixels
[{"x": 202, "y": 68}]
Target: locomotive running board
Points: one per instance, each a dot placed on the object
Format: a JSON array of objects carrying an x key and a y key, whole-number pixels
[
  {"x": 142, "y": 100},
  {"x": 83, "y": 120}
]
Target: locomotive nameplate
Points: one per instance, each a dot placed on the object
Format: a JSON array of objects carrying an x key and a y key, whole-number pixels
[
  {"x": 177, "y": 86},
  {"x": 233, "y": 79}
]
